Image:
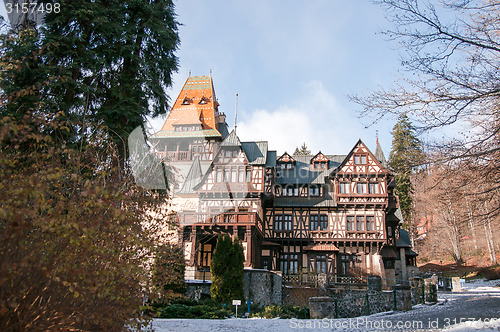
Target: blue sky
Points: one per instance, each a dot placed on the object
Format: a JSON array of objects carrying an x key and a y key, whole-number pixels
[{"x": 293, "y": 64}]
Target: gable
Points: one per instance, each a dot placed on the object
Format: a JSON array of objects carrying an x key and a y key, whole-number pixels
[
  {"x": 286, "y": 158},
  {"x": 361, "y": 161},
  {"x": 319, "y": 157}
]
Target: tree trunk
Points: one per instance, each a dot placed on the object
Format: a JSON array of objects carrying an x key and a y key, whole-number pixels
[
  {"x": 490, "y": 240},
  {"x": 471, "y": 222},
  {"x": 454, "y": 234}
]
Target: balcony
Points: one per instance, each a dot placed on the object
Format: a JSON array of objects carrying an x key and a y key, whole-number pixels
[
  {"x": 178, "y": 155},
  {"x": 230, "y": 218}
]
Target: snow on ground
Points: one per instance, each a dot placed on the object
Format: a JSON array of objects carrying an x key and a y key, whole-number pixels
[
  {"x": 479, "y": 285},
  {"x": 387, "y": 321}
]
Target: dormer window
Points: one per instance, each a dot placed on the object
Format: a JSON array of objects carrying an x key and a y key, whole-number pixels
[
  {"x": 187, "y": 101},
  {"x": 319, "y": 161},
  {"x": 285, "y": 161},
  {"x": 320, "y": 164},
  {"x": 204, "y": 100}
]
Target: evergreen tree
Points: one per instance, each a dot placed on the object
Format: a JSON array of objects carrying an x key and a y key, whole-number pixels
[
  {"x": 106, "y": 61},
  {"x": 21, "y": 77},
  {"x": 303, "y": 151},
  {"x": 405, "y": 156},
  {"x": 227, "y": 270},
  {"x": 73, "y": 219}
]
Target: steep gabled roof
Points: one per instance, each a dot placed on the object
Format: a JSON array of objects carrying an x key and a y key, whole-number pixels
[
  {"x": 231, "y": 140},
  {"x": 256, "y": 152},
  {"x": 193, "y": 177},
  {"x": 319, "y": 157},
  {"x": 351, "y": 153},
  {"x": 286, "y": 158},
  {"x": 195, "y": 104}
]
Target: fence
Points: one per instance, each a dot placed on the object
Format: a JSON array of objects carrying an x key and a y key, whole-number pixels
[{"x": 332, "y": 281}]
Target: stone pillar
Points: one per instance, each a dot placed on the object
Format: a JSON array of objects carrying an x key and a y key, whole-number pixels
[
  {"x": 374, "y": 283},
  {"x": 456, "y": 286},
  {"x": 250, "y": 248},
  {"x": 430, "y": 290},
  {"x": 417, "y": 293},
  {"x": 403, "y": 297},
  {"x": 404, "y": 274}
]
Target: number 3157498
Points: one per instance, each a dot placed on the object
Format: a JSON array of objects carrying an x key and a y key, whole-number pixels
[{"x": 31, "y": 8}]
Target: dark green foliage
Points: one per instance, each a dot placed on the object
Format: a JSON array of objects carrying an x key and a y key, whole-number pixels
[
  {"x": 168, "y": 272},
  {"x": 406, "y": 151},
  {"x": 21, "y": 77},
  {"x": 284, "y": 312},
  {"x": 198, "y": 311},
  {"x": 405, "y": 157},
  {"x": 106, "y": 61},
  {"x": 184, "y": 308},
  {"x": 227, "y": 270}
]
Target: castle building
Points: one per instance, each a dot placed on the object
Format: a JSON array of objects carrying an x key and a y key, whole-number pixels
[{"x": 298, "y": 214}]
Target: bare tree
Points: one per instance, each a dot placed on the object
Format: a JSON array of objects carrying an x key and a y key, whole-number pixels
[{"x": 451, "y": 51}]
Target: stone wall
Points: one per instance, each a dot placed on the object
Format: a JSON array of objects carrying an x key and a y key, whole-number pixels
[
  {"x": 263, "y": 287},
  {"x": 299, "y": 296},
  {"x": 360, "y": 303},
  {"x": 259, "y": 286}
]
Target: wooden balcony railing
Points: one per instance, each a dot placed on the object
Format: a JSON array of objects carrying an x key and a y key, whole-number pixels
[
  {"x": 240, "y": 218},
  {"x": 178, "y": 155}
]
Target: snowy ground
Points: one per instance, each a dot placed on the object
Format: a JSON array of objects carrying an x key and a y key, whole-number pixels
[{"x": 422, "y": 318}]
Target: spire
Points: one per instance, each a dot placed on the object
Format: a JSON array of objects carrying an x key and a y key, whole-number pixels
[
  {"x": 235, "y": 113},
  {"x": 195, "y": 104},
  {"x": 379, "y": 154}
]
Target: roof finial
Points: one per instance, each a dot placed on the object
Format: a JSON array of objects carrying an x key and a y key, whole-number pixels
[
  {"x": 210, "y": 72},
  {"x": 189, "y": 73},
  {"x": 236, "y": 113},
  {"x": 376, "y": 135}
]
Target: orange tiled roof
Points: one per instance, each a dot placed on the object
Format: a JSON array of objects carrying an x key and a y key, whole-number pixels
[{"x": 195, "y": 104}]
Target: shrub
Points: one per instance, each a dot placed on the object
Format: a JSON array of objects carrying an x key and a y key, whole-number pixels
[
  {"x": 194, "y": 311},
  {"x": 284, "y": 312}
]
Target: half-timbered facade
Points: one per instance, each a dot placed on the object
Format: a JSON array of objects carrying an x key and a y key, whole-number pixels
[{"x": 331, "y": 214}]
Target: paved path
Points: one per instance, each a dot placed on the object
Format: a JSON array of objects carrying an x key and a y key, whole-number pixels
[{"x": 453, "y": 308}]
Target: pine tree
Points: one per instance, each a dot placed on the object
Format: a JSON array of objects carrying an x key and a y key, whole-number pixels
[
  {"x": 21, "y": 77},
  {"x": 303, "y": 151},
  {"x": 405, "y": 157},
  {"x": 112, "y": 61},
  {"x": 227, "y": 270}
]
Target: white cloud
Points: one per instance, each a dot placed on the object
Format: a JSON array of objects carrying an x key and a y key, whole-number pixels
[{"x": 315, "y": 118}]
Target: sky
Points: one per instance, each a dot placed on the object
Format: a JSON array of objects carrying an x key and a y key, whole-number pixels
[{"x": 293, "y": 64}]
